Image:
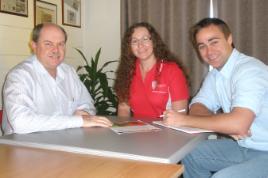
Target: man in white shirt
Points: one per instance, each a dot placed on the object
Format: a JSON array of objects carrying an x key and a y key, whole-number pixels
[{"x": 43, "y": 93}]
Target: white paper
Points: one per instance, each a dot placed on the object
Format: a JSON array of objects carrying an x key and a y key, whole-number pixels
[
  {"x": 183, "y": 129},
  {"x": 133, "y": 127}
]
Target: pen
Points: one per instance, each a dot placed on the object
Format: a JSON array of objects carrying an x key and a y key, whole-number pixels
[{"x": 182, "y": 110}]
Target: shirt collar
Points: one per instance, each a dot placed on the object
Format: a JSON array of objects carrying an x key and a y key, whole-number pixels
[
  {"x": 228, "y": 67},
  {"x": 151, "y": 73},
  {"x": 41, "y": 69}
]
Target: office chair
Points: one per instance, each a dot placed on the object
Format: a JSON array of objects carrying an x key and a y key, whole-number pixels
[{"x": 1, "y": 113}]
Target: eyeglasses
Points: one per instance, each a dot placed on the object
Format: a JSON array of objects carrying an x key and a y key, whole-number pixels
[{"x": 144, "y": 40}]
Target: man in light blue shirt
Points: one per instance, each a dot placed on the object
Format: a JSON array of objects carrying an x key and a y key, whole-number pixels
[{"x": 238, "y": 85}]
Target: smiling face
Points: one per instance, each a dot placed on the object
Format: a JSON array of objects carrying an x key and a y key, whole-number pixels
[
  {"x": 141, "y": 44},
  {"x": 50, "y": 48},
  {"x": 213, "y": 46}
]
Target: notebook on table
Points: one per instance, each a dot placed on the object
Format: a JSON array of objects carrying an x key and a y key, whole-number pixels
[{"x": 183, "y": 129}]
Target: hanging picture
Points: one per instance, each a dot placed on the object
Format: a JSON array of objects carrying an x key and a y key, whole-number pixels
[
  {"x": 45, "y": 12},
  {"x": 15, "y": 7},
  {"x": 71, "y": 13}
]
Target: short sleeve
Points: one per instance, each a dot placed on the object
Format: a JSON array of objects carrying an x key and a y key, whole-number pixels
[
  {"x": 249, "y": 87},
  {"x": 207, "y": 94},
  {"x": 178, "y": 86}
]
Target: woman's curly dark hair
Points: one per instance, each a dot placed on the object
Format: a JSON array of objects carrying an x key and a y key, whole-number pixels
[{"x": 127, "y": 63}]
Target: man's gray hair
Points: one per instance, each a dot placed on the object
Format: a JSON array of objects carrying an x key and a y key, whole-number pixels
[{"x": 38, "y": 28}]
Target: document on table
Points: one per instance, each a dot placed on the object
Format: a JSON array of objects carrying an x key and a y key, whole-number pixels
[
  {"x": 183, "y": 129},
  {"x": 133, "y": 127}
]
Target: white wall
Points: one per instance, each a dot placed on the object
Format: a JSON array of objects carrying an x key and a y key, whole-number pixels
[
  {"x": 100, "y": 28},
  {"x": 14, "y": 37}
]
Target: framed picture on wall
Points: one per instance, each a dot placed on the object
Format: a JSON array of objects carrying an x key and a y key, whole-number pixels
[
  {"x": 71, "y": 13},
  {"x": 44, "y": 12},
  {"x": 15, "y": 7}
]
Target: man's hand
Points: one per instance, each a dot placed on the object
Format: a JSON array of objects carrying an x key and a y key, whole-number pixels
[
  {"x": 92, "y": 121},
  {"x": 173, "y": 118},
  {"x": 240, "y": 137}
]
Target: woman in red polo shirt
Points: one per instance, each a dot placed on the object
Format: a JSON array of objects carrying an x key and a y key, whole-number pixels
[{"x": 149, "y": 78}]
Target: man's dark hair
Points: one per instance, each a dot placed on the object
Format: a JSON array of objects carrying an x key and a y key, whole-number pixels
[
  {"x": 207, "y": 22},
  {"x": 38, "y": 28}
]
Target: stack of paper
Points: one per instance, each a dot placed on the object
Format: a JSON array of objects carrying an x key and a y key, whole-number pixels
[{"x": 133, "y": 127}]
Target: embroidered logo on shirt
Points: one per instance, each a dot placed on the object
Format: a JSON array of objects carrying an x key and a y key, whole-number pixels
[{"x": 160, "y": 88}]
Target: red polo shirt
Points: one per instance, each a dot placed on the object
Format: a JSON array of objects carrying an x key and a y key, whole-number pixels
[{"x": 148, "y": 98}]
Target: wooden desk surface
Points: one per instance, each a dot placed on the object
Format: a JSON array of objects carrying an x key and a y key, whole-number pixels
[{"x": 25, "y": 162}]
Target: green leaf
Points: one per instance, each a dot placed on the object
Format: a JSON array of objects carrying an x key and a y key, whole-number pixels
[
  {"x": 96, "y": 81},
  {"x": 83, "y": 56},
  {"x": 106, "y": 64}
]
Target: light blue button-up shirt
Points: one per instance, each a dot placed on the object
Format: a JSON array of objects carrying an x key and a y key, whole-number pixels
[{"x": 242, "y": 82}]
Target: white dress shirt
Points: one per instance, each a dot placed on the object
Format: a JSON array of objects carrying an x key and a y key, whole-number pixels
[{"x": 35, "y": 101}]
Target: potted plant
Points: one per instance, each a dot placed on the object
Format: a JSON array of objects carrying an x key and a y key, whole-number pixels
[{"x": 97, "y": 83}]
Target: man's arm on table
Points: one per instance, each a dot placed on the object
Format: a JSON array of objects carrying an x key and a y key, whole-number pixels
[
  {"x": 237, "y": 122},
  {"x": 198, "y": 109}
]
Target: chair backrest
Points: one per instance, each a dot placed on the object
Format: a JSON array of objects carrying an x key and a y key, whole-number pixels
[{"x": 1, "y": 112}]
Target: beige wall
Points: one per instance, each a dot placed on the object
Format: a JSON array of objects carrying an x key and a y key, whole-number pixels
[{"x": 100, "y": 28}]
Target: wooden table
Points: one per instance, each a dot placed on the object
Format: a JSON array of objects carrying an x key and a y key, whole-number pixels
[{"x": 25, "y": 162}]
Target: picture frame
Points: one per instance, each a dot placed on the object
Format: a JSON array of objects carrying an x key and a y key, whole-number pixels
[
  {"x": 14, "y": 7},
  {"x": 44, "y": 12},
  {"x": 71, "y": 13}
]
